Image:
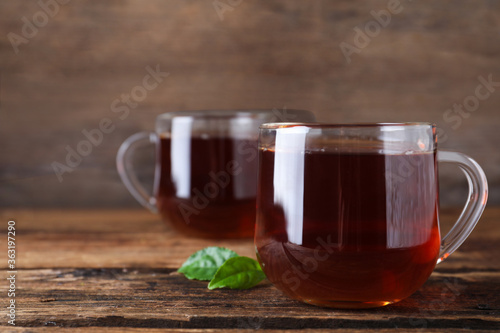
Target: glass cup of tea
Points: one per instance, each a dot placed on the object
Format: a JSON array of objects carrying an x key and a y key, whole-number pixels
[
  {"x": 347, "y": 215},
  {"x": 206, "y": 169}
]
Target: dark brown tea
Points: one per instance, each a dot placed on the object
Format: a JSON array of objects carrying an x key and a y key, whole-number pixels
[
  {"x": 207, "y": 186},
  {"x": 347, "y": 229}
]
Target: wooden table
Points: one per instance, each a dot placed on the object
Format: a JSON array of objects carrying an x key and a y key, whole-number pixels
[{"x": 115, "y": 270}]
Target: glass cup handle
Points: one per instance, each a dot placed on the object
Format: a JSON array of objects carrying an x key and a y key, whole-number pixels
[
  {"x": 474, "y": 207},
  {"x": 126, "y": 169}
]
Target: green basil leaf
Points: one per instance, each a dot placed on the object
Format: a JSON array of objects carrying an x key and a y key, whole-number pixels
[
  {"x": 238, "y": 273},
  {"x": 204, "y": 264}
]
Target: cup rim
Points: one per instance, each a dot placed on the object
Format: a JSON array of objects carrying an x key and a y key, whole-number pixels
[
  {"x": 224, "y": 113},
  {"x": 344, "y": 125}
]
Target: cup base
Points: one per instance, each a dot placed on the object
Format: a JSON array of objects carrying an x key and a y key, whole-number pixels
[{"x": 347, "y": 304}]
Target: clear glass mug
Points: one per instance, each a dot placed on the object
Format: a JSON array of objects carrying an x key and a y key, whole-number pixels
[
  {"x": 347, "y": 215},
  {"x": 206, "y": 169}
]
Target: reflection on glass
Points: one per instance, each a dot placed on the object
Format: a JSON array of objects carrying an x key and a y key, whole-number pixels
[
  {"x": 180, "y": 156},
  {"x": 289, "y": 180}
]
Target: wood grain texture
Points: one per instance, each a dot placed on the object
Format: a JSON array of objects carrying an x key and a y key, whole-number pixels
[
  {"x": 180, "y": 330},
  {"x": 117, "y": 269},
  {"x": 263, "y": 54}
]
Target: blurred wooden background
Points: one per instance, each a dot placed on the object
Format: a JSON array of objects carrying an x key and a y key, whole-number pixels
[{"x": 83, "y": 55}]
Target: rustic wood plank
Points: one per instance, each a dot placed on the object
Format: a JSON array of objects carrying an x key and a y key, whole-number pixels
[
  {"x": 180, "y": 330},
  {"x": 117, "y": 269},
  {"x": 164, "y": 298}
]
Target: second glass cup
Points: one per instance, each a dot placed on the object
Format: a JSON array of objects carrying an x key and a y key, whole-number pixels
[{"x": 206, "y": 168}]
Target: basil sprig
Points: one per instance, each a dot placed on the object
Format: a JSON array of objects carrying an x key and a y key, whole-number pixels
[
  {"x": 238, "y": 273},
  {"x": 223, "y": 268},
  {"x": 203, "y": 264}
]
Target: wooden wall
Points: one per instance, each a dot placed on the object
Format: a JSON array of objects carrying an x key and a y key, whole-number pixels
[{"x": 83, "y": 55}]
